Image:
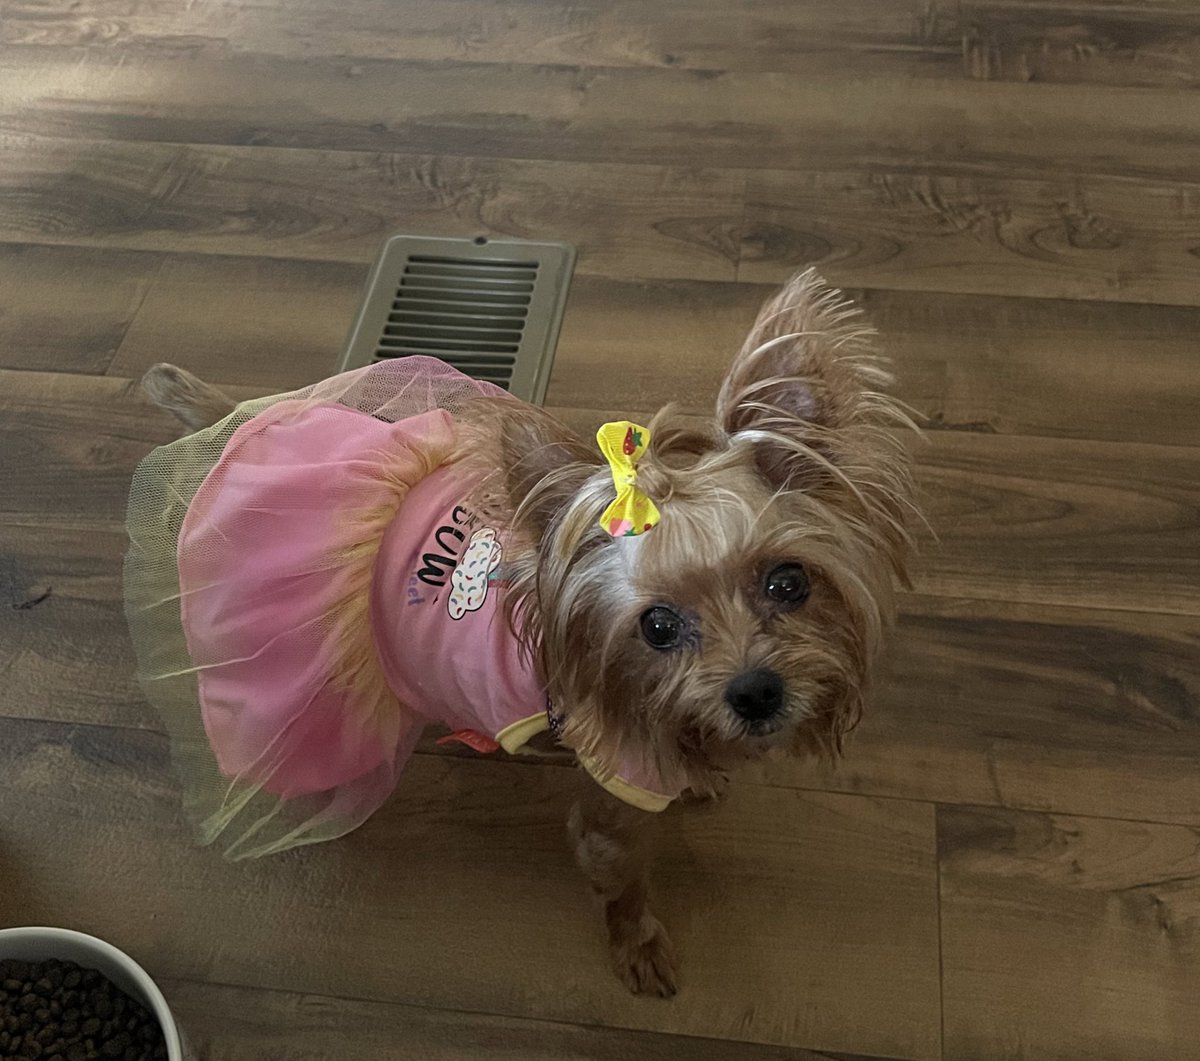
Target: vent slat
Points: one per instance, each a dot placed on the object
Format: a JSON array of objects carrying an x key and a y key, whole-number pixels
[
  {"x": 483, "y": 298},
  {"x": 454, "y": 331},
  {"x": 463, "y": 308},
  {"x": 490, "y": 308},
  {"x": 408, "y": 317},
  {"x": 417, "y": 345},
  {"x": 469, "y": 283},
  {"x": 492, "y": 375},
  {"x": 474, "y": 357},
  {"x": 425, "y": 263}
]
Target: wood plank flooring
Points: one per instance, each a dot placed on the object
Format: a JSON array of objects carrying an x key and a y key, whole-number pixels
[{"x": 1006, "y": 866}]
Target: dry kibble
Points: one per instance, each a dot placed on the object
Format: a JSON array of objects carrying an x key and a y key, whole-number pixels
[{"x": 56, "y": 1011}]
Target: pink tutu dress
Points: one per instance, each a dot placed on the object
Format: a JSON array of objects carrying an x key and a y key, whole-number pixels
[{"x": 307, "y": 587}]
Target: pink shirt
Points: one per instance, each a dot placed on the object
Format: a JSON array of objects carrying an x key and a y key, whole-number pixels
[{"x": 445, "y": 645}]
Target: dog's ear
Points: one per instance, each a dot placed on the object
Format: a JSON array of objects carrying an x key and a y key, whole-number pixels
[
  {"x": 804, "y": 382},
  {"x": 544, "y": 465}
]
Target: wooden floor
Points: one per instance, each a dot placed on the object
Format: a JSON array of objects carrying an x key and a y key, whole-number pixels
[{"x": 1008, "y": 864}]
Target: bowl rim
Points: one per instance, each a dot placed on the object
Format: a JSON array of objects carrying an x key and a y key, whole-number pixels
[{"x": 158, "y": 1003}]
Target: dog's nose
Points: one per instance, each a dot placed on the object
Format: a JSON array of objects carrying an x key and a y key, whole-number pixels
[{"x": 756, "y": 695}]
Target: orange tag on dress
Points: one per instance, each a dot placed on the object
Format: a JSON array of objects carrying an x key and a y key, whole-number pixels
[{"x": 472, "y": 739}]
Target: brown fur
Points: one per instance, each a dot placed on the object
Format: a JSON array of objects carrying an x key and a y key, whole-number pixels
[
  {"x": 801, "y": 464},
  {"x": 192, "y": 402}
]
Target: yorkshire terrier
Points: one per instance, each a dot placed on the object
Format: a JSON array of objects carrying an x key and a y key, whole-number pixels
[{"x": 728, "y": 604}]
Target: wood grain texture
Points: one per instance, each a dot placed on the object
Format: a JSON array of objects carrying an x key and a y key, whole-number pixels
[
  {"x": 1111, "y": 240},
  {"x": 1068, "y": 937},
  {"x": 1152, "y": 44},
  {"x": 269, "y": 323},
  {"x": 1063, "y": 522},
  {"x": 1074, "y": 236},
  {"x": 1096, "y": 524},
  {"x": 977, "y": 363},
  {"x": 481, "y": 843},
  {"x": 240, "y": 1024},
  {"x": 813, "y": 117},
  {"x": 67, "y": 309},
  {"x": 757, "y": 34},
  {"x": 1026, "y": 706},
  {"x": 1146, "y": 44},
  {"x": 67, "y": 656},
  {"x": 339, "y": 206}
]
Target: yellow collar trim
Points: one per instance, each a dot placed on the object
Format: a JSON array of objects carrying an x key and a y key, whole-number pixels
[
  {"x": 513, "y": 737},
  {"x": 642, "y": 798}
]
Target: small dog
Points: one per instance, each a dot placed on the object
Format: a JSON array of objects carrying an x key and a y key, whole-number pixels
[{"x": 742, "y": 622}]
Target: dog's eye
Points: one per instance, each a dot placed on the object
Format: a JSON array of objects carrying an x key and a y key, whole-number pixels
[
  {"x": 662, "y": 628},
  {"x": 788, "y": 584}
]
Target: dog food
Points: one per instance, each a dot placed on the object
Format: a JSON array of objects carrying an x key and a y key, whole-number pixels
[{"x": 57, "y": 1011}]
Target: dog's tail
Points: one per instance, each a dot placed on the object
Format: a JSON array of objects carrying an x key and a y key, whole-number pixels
[{"x": 192, "y": 402}]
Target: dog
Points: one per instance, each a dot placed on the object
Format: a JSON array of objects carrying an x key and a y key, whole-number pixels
[{"x": 742, "y": 622}]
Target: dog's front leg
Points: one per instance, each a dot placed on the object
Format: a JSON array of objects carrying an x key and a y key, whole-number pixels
[{"x": 612, "y": 846}]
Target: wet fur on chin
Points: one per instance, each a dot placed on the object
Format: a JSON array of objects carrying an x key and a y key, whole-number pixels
[{"x": 802, "y": 462}]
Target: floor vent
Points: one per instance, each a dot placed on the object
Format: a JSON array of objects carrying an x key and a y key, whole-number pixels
[{"x": 490, "y": 308}]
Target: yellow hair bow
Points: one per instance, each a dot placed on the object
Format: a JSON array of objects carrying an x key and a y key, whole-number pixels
[{"x": 623, "y": 444}]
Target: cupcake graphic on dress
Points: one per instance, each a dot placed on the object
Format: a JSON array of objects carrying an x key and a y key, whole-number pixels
[{"x": 469, "y": 583}]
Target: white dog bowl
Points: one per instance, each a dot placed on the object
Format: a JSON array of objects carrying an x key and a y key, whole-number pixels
[{"x": 39, "y": 944}]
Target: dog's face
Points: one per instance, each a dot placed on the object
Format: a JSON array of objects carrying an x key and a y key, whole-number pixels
[{"x": 746, "y": 619}]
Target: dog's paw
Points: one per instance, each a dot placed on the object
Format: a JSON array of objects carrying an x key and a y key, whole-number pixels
[{"x": 643, "y": 957}]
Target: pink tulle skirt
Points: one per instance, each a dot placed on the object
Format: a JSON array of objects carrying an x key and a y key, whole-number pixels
[{"x": 252, "y": 546}]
